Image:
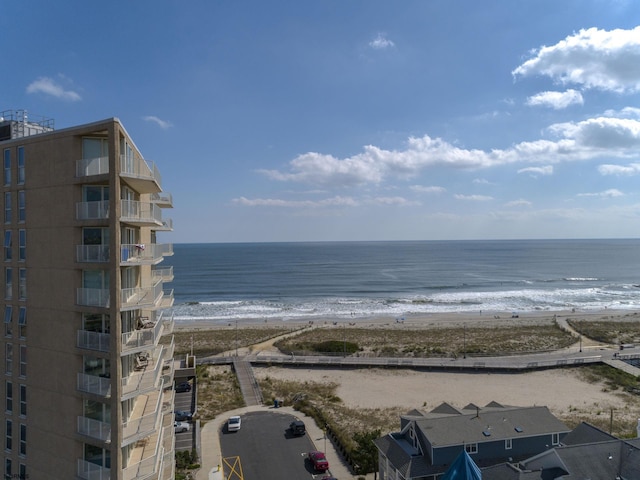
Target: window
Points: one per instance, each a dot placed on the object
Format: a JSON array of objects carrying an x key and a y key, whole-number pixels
[
  {"x": 471, "y": 448},
  {"x": 507, "y": 444},
  {"x": 22, "y": 284},
  {"x": 8, "y": 283},
  {"x": 22, "y": 210},
  {"x": 21, "y": 173},
  {"x": 23, "y": 360},
  {"x": 7, "y": 166},
  {"x": 23, "y": 400},
  {"x": 7, "y": 245},
  {"x": 8, "y": 443},
  {"x": 22, "y": 322},
  {"x": 23, "y": 439},
  {"x": 22, "y": 245},
  {"x": 555, "y": 438},
  {"x": 7, "y": 207},
  {"x": 8, "y": 326},
  {"x": 8, "y": 358},
  {"x": 7, "y": 468},
  {"x": 9, "y": 398}
]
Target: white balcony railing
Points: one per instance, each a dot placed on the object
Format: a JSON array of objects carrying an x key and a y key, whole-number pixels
[
  {"x": 147, "y": 213},
  {"x": 91, "y": 471},
  {"x": 93, "y": 340},
  {"x": 142, "y": 254},
  {"x": 94, "y": 429},
  {"x": 145, "y": 469},
  {"x": 92, "y": 210},
  {"x": 137, "y": 428},
  {"x": 92, "y": 166},
  {"x": 146, "y": 380},
  {"x": 164, "y": 274},
  {"x": 141, "y": 297},
  {"x": 144, "y": 337},
  {"x": 92, "y": 297},
  {"x": 100, "y": 386},
  {"x": 139, "y": 168},
  {"x": 92, "y": 253},
  {"x": 162, "y": 199},
  {"x": 167, "y": 299},
  {"x": 166, "y": 225}
]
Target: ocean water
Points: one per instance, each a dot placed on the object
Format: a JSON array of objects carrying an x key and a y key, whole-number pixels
[{"x": 225, "y": 283}]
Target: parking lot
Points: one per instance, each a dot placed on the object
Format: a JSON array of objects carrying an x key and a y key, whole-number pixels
[{"x": 185, "y": 401}]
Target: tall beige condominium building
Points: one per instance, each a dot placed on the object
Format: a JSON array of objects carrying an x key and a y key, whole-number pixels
[{"x": 87, "y": 382}]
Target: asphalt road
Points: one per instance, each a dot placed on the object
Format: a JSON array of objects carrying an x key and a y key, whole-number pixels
[{"x": 263, "y": 449}]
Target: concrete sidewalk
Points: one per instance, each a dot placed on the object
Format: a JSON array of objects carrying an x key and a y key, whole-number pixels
[{"x": 211, "y": 461}]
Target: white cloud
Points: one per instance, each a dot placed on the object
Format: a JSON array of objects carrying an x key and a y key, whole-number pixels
[
  {"x": 556, "y": 100},
  {"x": 49, "y": 86},
  {"x": 274, "y": 202},
  {"x": 427, "y": 189},
  {"x": 535, "y": 171},
  {"x": 473, "y": 198},
  {"x": 589, "y": 139},
  {"x": 518, "y": 203},
  {"x": 381, "y": 42},
  {"x": 613, "y": 134},
  {"x": 594, "y": 58},
  {"x": 163, "y": 124},
  {"x": 611, "y": 193},
  {"x": 337, "y": 201},
  {"x": 628, "y": 170}
]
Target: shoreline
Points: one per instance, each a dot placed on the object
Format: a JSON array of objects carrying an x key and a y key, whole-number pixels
[{"x": 432, "y": 320}]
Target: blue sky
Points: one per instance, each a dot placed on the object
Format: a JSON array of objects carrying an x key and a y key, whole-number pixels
[{"x": 354, "y": 120}]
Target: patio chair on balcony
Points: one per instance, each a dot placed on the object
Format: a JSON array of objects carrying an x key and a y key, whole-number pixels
[
  {"x": 141, "y": 362},
  {"x": 144, "y": 322}
]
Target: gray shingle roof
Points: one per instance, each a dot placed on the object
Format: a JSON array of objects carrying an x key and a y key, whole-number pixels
[{"x": 488, "y": 425}]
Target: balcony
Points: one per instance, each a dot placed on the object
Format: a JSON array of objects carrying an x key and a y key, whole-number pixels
[
  {"x": 91, "y": 471},
  {"x": 169, "y": 323},
  {"x": 146, "y": 458},
  {"x": 97, "y": 341},
  {"x": 169, "y": 446},
  {"x": 92, "y": 297},
  {"x": 92, "y": 166},
  {"x": 143, "y": 177},
  {"x": 143, "y": 254},
  {"x": 162, "y": 199},
  {"x": 94, "y": 384},
  {"x": 140, "y": 213},
  {"x": 145, "y": 419},
  {"x": 92, "y": 253},
  {"x": 162, "y": 274},
  {"x": 167, "y": 300},
  {"x": 92, "y": 210},
  {"x": 147, "y": 378},
  {"x": 141, "y": 297},
  {"x": 142, "y": 338},
  {"x": 95, "y": 429},
  {"x": 165, "y": 226}
]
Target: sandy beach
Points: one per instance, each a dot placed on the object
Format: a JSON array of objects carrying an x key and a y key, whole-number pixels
[{"x": 564, "y": 391}]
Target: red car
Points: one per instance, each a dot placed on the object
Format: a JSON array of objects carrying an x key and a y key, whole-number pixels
[{"x": 319, "y": 461}]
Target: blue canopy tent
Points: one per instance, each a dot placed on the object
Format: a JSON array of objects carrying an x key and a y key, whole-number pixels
[{"x": 463, "y": 468}]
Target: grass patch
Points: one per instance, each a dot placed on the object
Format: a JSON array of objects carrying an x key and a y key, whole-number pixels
[
  {"x": 425, "y": 342},
  {"x": 218, "y": 391},
  {"x": 613, "y": 378},
  {"x": 208, "y": 342},
  {"x": 608, "y": 331}
]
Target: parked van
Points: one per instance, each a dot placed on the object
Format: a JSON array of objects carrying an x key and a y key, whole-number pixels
[{"x": 297, "y": 428}]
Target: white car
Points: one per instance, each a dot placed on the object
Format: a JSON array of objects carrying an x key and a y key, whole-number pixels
[
  {"x": 179, "y": 427},
  {"x": 234, "y": 423}
]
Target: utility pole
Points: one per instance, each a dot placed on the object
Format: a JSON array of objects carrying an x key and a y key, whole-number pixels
[{"x": 236, "y": 337}]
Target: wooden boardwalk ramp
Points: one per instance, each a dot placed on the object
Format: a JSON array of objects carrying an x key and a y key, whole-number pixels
[{"x": 248, "y": 385}]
